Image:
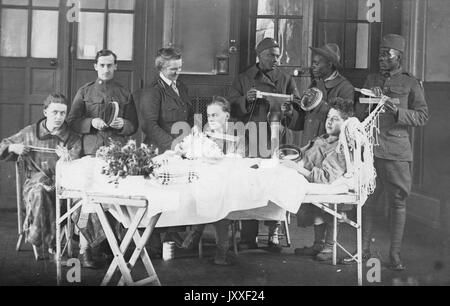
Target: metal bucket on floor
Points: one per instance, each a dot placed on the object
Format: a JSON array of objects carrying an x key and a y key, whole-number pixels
[{"x": 168, "y": 251}]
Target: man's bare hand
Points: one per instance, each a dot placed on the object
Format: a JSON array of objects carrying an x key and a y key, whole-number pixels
[
  {"x": 61, "y": 151},
  {"x": 390, "y": 107},
  {"x": 377, "y": 91},
  {"x": 19, "y": 149},
  {"x": 251, "y": 95},
  {"x": 99, "y": 124},
  {"x": 286, "y": 108},
  {"x": 117, "y": 124}
]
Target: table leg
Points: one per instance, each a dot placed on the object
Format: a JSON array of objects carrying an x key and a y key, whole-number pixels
[
  {"x": 359, "y": 243},
  {"x": 69, "y": 231},
  {"x": 118, "y": 253},
  {"x": 140, "y": 251},
  {"x": 334, "y": 234},
  {"x": 58, "y": 245}
]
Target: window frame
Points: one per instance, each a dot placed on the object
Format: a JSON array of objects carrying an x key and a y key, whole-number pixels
[
  {"x": 30, "y": 8},
  {"x": 252, "y": 21},
  {"x": 106, "y": 11},
  {"x": 344, "y": 21}
]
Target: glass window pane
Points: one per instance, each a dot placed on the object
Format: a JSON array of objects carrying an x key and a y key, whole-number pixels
[
  {"x": 190, "y": 25},
  {"x": 267, "y": 7},
  {"x": 121, "y": 4},
  {"x": 14, "y": 32},
  {"x": 290, "y": 40},
  {"x": 291, "y": 7},
  {"x": 15, "y": 2},
  {"x": 52, "y": 3},
  {"x": 264, "y": 28},
  {"x": 44, "y": 34},
  {"x": 357, "y": 9},
  {"x": 356, "y": 45},
  {"x": 120, "y": 35},
  {"x": 331, "y": 32},
  {"x": 90, "y": 34},
  {"x": 331, "y": 9},
  {"x": 93, "y": 4}
]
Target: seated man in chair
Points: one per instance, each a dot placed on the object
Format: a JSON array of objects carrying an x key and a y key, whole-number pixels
[
  {"x": 39, "y": 146},
  {"x": 321, "y": 163},
  {"x": 221, "y": 131}
]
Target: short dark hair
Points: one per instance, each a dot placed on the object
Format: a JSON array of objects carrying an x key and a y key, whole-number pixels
[
  {"x": 105, "y": 52},
  {"x": 343, "y": 106},
  {"x": 220, "y": 101},
  {"x": 164, "y": 55},
  {"x": 55, "y": 98}
]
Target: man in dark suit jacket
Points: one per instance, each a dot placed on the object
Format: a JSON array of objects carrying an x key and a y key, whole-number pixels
[
  {"x": 166, "y": 113},
  {"x": 166, "y": 103}
]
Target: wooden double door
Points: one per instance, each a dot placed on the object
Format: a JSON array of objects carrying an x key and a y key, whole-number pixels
[{"x": 49, "y": 46}]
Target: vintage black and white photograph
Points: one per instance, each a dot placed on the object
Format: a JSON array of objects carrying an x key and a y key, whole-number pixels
[{"x": 224, "y": 144}]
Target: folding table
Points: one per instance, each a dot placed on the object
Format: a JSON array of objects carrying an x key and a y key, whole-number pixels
[{"x": 99, "y": 202}]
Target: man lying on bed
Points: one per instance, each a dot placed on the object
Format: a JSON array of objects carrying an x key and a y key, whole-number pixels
[{"x": 321, "y": 163}]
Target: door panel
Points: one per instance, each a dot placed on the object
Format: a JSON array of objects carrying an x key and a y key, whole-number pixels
[{"x": 116, "y": 26}]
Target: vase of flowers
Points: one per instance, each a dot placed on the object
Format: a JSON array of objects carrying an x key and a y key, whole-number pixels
[{"x": 128, "y": 160}]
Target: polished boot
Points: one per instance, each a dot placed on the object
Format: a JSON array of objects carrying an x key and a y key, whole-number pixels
[
  {"x": 87, "y": 261},
  {"x": 398, "y": 220},
  {"x": 327, "y": 252},
  {"x": 319, "y": 240}
]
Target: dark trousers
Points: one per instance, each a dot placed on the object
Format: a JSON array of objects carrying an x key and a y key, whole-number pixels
[{"x": 393, "y": 179}]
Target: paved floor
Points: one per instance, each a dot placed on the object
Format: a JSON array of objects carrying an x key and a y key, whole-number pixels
[{"x": 427, "y": 260}]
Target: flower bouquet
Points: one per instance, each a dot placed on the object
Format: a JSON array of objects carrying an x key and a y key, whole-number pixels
[
  {"x": 127, "y": 160},
  {"x": 197, "y": 145}
]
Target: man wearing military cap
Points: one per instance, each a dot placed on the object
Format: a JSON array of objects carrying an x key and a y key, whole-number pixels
[
  {"x": 326, "y": 77},
  {"x": 326, "y": 61},
  {"x": 246, "y": 107},
  {"x": 393, "y": 155}
]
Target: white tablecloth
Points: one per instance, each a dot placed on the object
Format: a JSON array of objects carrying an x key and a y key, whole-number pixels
[{"x": 229, "y": 188}]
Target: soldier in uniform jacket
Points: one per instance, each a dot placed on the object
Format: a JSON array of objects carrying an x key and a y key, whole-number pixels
[
  {"x": 89, "y": 116},
  {"x": 393, "y": 154}
]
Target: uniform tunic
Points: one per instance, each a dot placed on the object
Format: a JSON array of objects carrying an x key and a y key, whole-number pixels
[
  {"x": 90, "y": 102},
  {"x": 274, "y": 81},
  {"x": 393, "y": 139},
  {"x": 393, "y": 155}
]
